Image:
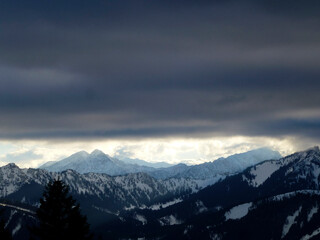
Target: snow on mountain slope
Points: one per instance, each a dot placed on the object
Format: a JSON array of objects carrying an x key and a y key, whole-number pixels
[
  {"x": 289, "y": 222},
  {"x": 313, "y": 211},
  {"x": 81, "y": 162},
  {"x": 287, "y": 195},
  {"x": 97, "y": 162},
  {"x": 17, "y": 208},
  {"x": 244, "y": 160},
  {"x": 312, "y": 235},
  {"x": 262, "y": 172},
  {"x": 230, "y": 165},
  {"x": 304, "y": 165},
  {"x": 76, "y": 158},
  {"x": 11, "y": 179},
  {"x": 238, "y": 212},
  {"x": 164, "y": 205},
  {"x": 298, "y": 167},
  {"x": 169, "y": 220},
  {"x": 47, "y": 164}
]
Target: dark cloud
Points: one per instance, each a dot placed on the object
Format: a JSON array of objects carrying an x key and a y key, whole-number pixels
[{"x": 105, "y": 69}]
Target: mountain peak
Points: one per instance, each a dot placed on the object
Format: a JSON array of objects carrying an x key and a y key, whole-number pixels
[
  {"x": 265, "y": 150},
  {"x": 305, "y": 153},
  {"x": 97, "y": 152},
  {"x": 11, "y": 165},
  {"x": 81, "y": 153},
  {"x": 315, "y": 148}
]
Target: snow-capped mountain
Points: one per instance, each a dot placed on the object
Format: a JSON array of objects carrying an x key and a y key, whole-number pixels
[
  {"x": 222, "y": 166},
  {"x": 97, "y": 162}
]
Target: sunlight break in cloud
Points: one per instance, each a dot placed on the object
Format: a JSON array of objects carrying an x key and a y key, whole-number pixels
[{"x": 190, "y": 151}]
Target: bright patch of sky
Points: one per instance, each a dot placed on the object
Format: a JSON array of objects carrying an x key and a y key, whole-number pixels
[{"x": 189, "y": 151}]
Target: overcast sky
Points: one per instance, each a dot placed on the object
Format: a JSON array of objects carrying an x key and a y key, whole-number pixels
[{"x": 124, "y": 75}]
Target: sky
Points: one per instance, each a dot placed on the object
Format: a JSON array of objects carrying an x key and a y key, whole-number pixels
[{"x": 176, "y": 81}]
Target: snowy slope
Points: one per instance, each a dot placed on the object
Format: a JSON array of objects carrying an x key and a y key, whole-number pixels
[
  {"x": 261, "y": 172},
  {"x": 301, "y": 167},
  {"x": 238, "y": 212},
  {"x": 230, "y": 165}
]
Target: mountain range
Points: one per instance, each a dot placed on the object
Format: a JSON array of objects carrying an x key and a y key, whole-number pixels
[
  {"x": 271, "y": 199},
  {"x": 99, "y": 162}
]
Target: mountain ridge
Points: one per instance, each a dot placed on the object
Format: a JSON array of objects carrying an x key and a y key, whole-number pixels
[{"x": 99, "y": 162}]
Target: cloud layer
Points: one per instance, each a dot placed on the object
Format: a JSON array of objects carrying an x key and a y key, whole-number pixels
[{"x": 148, "y": 69}]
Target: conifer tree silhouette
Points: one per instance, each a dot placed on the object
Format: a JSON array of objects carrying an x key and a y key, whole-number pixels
[{"x": 59, "y": 215}]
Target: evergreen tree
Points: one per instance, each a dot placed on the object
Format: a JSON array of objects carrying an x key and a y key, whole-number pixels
[
  {"x": 4, "y": 233},
  {"x": 59, "y": 215}
]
